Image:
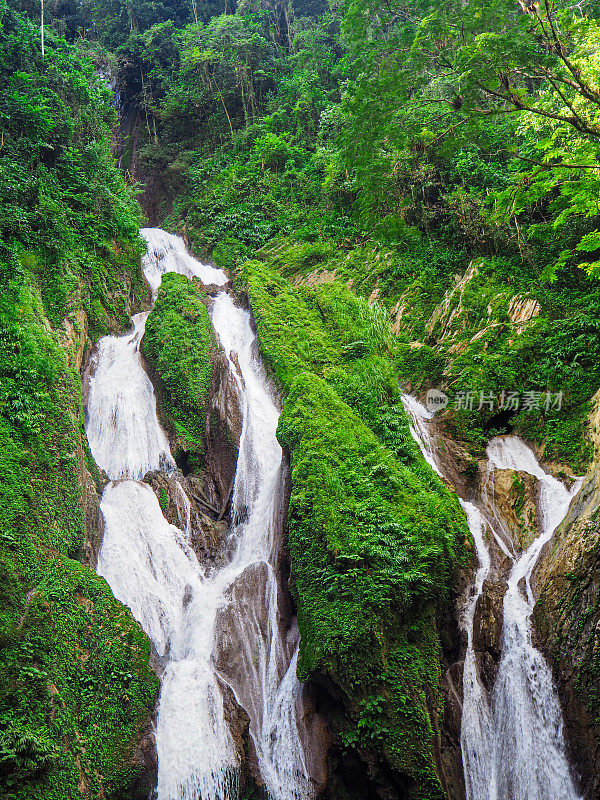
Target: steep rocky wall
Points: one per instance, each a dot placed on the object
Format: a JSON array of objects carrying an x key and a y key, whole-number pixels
[
  {"x": 479, "y": 334},
  {"x": 567, "y": 618}
]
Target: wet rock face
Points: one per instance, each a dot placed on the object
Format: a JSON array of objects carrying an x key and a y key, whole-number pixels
[
  {"x": 242, "y": 631},
  {"x": 487, "y": 630},
  {"x": 145, "y": 760},
  {"x": 241, "y": 628},
  {"x": 316, "y": 735},
  {"x": 207, "y": 533},
  {"x": 447, "y": 749},
  {"x": 223, "y": 431},
  {"x": 458, "y": 466},
  {"x": 514, "y": 499},
  {"x": 567, "y": 619},
  {"x": 239, "y": 725}
]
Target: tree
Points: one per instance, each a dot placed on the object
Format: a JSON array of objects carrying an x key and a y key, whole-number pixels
[
  {"x": 538, "y": 61},
  {"x": 440, "y": 80}
]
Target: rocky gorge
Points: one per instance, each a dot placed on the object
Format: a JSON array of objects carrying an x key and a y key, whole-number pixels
[{"x": 299, "y": 490}]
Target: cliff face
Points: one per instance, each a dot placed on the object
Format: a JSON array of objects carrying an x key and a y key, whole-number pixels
[
  {"x": 464, "y": 331},
  {"x": 567, "y": 618}
]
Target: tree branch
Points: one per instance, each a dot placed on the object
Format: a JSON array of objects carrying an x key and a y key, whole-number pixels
[
  {"x": 547, "y": 166},
  {"x": 590, "y": 93},
  {"x": 510, "y": 97}
]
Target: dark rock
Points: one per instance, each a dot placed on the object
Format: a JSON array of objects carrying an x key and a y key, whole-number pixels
[
  {"x": 487, "y": 629},
  {"x": 207, "y": 535},
  {"x": 223, "y": 431},
  {"x": 567, "y": 620},
  {"x": 145, "y": 763},
  {"x": 241, "y": 628}
]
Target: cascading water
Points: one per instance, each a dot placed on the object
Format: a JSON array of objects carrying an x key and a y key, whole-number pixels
[
  {"x": 477, "y": 729},
  {"x": 529, "y": 753},
  {"x": 419, "y": 417},
  {"x": 217, "y": 630},
  {"x": 122, "y": 427},
  {"x": 512, "y": 741}
]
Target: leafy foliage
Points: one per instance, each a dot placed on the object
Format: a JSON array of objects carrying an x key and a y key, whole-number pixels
[
  {"x": 371, "y": 149},
  {"x": 67, "y": 220},
  {"x": 179, "y": 344},
  {"x": 74, "y": 663}
]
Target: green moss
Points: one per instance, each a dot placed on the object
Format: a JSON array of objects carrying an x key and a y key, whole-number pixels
[
  {"x": 517, "y": 492},
  {"x": 116, "y": 288},
  {"x": 330, "y": 331},
  {"x": 479, "y": 350},
  {"x": 162, "y": 499},
  {"x": 76, "y": 688},
  {"x": 179, "y": 345},
  {"x": 373, "y": 546},
  {"x": 291, "y": 334},
  {"x": 374, "y": 536}
]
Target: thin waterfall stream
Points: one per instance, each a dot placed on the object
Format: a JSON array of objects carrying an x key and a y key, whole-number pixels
[
  {"x": 512, "y": 736},
  {"x": 217, "y": 630}
]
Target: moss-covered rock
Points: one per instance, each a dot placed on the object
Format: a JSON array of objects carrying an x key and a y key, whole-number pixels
[
  {"x": 374, "y": 536},
  {"x": 179, "y": 345},
  {"x": 76, "y": 689},
  {"x": 373, "y": 545},
  {"x": 330, "y": 331}
]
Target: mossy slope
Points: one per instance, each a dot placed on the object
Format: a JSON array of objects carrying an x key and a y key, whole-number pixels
[
  {"x": 374, "y": 536},
  {"x": 457, "y": 330},
  {"x": 76, "y": 689},
  {"x": 179, "y": 344}
]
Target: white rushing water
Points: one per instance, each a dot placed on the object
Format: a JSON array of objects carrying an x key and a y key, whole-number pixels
[
  {"x": 219, "y": 631},
  {"x": 477, "y": 729},
  {"x": 530, "y": 762},
  {"x": 122, "y": 427},
  {"x": 512, "y": 741}
]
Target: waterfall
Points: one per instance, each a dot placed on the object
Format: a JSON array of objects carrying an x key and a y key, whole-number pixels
[
  {"x": 512, "y": 739},
  {"x": 122, "y": 427},
  {"x": 529, "y": 754},
  {"x": 476, "y": 735},
  {"x": 219, "y": 630}
]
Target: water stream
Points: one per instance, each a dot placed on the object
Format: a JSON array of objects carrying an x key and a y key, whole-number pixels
[
  {"x": 219, "y": 631},
  {"x": 512, "y": 738}
]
